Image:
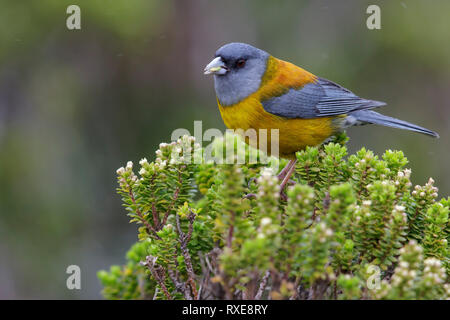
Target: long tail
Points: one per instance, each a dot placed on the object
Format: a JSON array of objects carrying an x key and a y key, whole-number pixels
[{"x": 368, "y": 116}]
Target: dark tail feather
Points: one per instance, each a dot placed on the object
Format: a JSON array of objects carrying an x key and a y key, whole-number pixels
[{"x": 373, "y": 117}]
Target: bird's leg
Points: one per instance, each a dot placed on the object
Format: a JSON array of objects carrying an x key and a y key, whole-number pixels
[
  {"x": 280, "y": 176},
  {"x": 283, "y": 172},
  {"x": 284, "y": 176},
  {"x": 287, "y": 177}
]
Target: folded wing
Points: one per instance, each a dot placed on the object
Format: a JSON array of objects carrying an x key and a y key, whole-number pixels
[{"x": 322, "y": 98}]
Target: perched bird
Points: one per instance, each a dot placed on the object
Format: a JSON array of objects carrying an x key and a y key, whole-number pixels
[{"x": 258, "y": 91}]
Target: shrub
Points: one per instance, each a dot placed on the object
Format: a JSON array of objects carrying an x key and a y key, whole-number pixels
[{"x": 350, "y": 229}]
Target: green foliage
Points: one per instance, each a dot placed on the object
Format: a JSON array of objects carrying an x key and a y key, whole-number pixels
[
  {"x": 350, "y": 228},
  {"x": 415, "y": 278},
  {"x": 130, "y": 281}
]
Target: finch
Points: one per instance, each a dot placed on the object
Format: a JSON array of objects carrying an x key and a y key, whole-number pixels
[{"x": 255, "y": 90}]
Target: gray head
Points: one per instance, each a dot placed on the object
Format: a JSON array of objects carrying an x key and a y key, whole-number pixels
[{"x": 238, "y": 69}]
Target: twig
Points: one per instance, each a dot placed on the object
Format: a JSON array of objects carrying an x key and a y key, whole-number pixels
[
  {"x": 156, "y": 293},
  {"x": 209, "y": 264},
  {"x": 175, "y": 277},
  {"x": 184, "y": 239},
  {"x": 335, "y": 290},
  {"x": 179, "y": 285},
  {"x": 230, "y": 231},
  {"x": 155, "y": 216},
  {"x": 166, "y": 215},
  {"x": 296, "y": 286},
  {"x": 317, "y": 289},
  {"x": 175, "y": 198},
  {"x": 150, "y": 229},
  {"x": 228, "y": 285},
  {"x": 326, "y": 202},
  {"x": 150, "y": 263},
  {"x": 262, "y": 285},
  {"x": 205, "y": 272}
]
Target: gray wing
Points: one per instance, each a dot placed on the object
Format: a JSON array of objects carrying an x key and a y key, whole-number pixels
[{"x": 322, "y": 98}]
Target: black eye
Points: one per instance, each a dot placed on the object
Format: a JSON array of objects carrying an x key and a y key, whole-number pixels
[{"x": 240, "y": 63}]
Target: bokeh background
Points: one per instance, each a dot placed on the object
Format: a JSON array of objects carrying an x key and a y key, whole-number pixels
[{"x": 76, "y": 105}]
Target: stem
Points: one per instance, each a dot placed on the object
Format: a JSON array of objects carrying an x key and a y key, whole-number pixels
[
  {"x": 175, "y": 198},
  {"x": 150, "y": 229},
  {"x": 179, "y": 285},
  {"x": 184, "y": 239},
  {"x": 262, "y": 285},
  {"x": 150, "y": 263},
  {"x": 231, "y": 231},
  {"x": 296, "y": 286}
]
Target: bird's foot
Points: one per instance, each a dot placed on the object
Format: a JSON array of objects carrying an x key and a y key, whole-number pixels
[
  {"x": 281, "y": 176},
  {"x": 291, "y": 182}
]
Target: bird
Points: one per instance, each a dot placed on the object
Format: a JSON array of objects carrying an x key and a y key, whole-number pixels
[{"x": 256, "y": 90}]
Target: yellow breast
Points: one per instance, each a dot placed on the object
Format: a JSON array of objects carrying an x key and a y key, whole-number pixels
[{"x": 294, "y": 134}]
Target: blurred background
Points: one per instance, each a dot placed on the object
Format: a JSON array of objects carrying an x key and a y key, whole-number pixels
[{"x": 76, "y": 105}]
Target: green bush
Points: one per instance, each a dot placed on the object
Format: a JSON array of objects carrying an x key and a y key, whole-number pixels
[{"x": 350, "y": 229}]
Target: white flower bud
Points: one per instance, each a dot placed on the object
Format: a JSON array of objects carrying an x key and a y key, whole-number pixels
[
  {"x": 121, "y": 170},
  {"x": 129, "y": 165}
]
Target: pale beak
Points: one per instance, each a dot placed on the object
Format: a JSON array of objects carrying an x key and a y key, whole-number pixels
[{"x": 217, "y": 66}]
